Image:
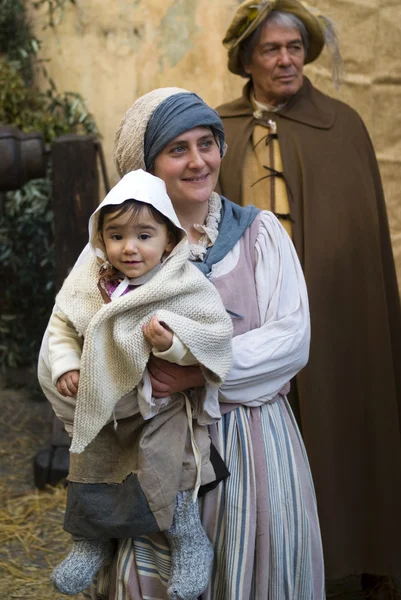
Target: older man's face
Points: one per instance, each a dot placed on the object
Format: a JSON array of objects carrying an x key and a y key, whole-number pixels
[{"x": 277, "y": 64}]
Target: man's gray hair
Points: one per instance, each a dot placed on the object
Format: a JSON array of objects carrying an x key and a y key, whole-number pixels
[{"x": 275, "y": 17}]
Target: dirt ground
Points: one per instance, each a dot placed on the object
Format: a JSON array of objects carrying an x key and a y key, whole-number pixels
[{"x": 32, "y": 540}]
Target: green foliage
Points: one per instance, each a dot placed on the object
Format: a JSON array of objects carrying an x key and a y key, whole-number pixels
[
  {"x": 16, "y": 41},
  {"x": 27, "y": 259},
  {"x": 32, "y": 110},
  {"x": 26, "y": 216}
]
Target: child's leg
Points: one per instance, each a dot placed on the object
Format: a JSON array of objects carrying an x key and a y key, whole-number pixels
[
  {"x": 76, "y": 572},
  {"x": 166, "y": 461},
  {"x": 191, "y": 550}
]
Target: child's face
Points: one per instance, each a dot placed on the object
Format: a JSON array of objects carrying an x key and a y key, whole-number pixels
[{"x": 135, "y": 247}]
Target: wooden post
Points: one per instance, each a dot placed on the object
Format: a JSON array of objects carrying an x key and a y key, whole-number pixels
[{"x": 75, "y": 197}]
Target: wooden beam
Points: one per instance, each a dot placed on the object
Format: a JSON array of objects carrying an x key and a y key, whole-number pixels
[{"x": 75, "y": 197}]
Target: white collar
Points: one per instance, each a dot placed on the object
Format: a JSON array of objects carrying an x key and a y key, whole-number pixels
[
  {"x": 123, "y": 285},
  {"x": 209, "y": 231},
  {"x": 260, "y": 107}
]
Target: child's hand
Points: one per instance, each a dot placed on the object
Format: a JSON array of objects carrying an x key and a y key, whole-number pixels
[
  {"x": 160, "y": 336},
  {"x": 67, "y": 384}
]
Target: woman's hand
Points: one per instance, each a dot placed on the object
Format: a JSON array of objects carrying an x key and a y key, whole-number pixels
[
  {"x": 167, "y": 378},
  {"x": 67, "y": 384}
]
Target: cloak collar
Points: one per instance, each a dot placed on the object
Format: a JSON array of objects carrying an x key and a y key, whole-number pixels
[{"x": 308, "y": 106}]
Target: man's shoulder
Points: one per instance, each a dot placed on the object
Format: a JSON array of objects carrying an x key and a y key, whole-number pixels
[
  {"x": 331, "y": 104},
  {"x": 315, "y": 109},
  {"x": 236, "y": 108},
  {"x": 240, "y": 107}
]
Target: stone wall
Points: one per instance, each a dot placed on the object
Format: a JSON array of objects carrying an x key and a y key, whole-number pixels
[{"x": 113, "y": 52}]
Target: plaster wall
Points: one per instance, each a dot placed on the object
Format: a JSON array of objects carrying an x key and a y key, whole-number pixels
[{"x": 113, "y": 52}]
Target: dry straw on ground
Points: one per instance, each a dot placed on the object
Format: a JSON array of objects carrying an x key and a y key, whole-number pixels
[{"x": 32, "y": 540}]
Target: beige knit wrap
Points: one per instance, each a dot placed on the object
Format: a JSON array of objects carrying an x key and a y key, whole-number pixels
[{"x": 115, "y": 351}]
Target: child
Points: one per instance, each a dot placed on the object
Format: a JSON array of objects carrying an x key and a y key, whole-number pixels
[{"x": 142, "y": 475}]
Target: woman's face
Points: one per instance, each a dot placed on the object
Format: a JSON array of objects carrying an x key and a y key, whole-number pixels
[{"x": 189, "y": 165}]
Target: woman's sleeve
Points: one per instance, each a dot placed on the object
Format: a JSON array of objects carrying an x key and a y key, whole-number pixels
[{"x": 265, "y": 359}]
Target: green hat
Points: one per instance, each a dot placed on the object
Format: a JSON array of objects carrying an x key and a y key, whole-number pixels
[{"x": 251, "y": 13}]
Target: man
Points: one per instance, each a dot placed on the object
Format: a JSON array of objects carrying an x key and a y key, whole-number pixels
[{"x": 309, "y": 159}]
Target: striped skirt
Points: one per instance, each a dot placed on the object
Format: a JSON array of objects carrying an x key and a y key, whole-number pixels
[{"x": 262, "y": 520}]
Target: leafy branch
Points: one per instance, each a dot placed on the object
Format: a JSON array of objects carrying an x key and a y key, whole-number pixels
[{"x": 26, "y": 215}]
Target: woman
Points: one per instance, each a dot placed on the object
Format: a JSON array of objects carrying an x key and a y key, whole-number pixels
[{"x": 262, "y": 520}]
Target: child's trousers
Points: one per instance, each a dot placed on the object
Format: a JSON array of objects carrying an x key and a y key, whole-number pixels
[{"x": 125, "y": 482}]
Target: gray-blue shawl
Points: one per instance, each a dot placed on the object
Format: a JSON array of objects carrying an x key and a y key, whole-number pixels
[{"x": 234, "y": 221}]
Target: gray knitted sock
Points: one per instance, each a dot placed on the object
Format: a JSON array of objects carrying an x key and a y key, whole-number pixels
[
  {"x": 76, "y": 572},
  {"x": 191, "y": 551}
]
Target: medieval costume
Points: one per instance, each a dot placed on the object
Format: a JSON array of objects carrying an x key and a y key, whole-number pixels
[
  {"x": 150, "y": 454},
  {"x": 311, "y": 161},
  {"x": 262, "y": 520}
]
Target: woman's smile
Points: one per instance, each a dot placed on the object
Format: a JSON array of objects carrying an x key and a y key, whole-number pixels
[
  {"x": 196, "y": 179},
  {"x": 189, "y": 165}
]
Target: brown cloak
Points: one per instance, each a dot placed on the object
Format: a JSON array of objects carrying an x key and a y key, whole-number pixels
[{"x": 349, "y": 395}]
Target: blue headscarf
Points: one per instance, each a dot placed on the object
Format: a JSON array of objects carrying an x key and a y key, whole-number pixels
[{"x": 179, "y": 113}]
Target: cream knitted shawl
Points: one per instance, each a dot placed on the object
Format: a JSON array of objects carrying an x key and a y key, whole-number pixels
[{"x": 115, "y": 351}]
